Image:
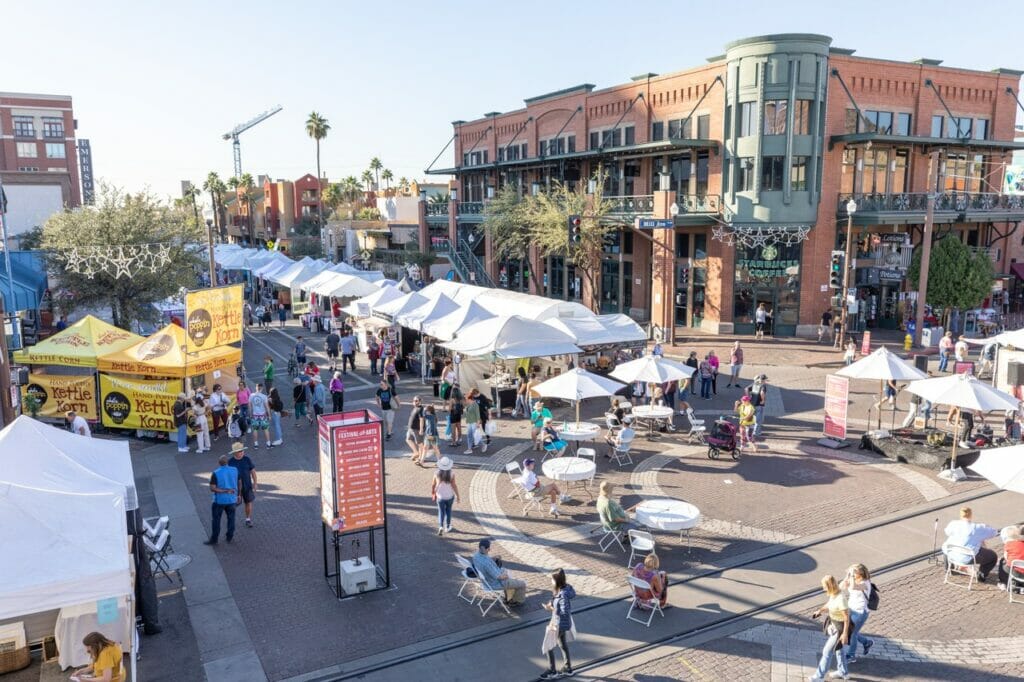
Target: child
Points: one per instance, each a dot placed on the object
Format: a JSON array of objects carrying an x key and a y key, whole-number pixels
[{"x": 237, "y": 425}]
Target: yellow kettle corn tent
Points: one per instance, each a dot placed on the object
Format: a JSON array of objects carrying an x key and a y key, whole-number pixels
[
  {"x": 162, "y": 354},
  {"x": 79, "y": 345}
]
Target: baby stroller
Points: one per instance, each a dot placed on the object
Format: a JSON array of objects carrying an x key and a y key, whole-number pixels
[
  {"x": 293, "y": 365},
  {"x": 723, "y": 438}
]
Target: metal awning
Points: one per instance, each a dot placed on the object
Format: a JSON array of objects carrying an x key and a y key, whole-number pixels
[{"x": 969, "y": 143}]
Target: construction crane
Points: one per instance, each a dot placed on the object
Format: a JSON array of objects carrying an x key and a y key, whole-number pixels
[{"x": 239, "y": 129}]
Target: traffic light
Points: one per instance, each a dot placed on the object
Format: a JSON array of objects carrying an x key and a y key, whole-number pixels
[
  {"x": 575, "y": 225},
  {"x": 835, "y": 277}
]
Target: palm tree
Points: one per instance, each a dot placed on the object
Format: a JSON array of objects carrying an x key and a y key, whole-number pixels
[
  {"x": 375, "y": 166},
  {"x": 189, "y": 199},
  {"x": 367, "y": 179},
  {"x": 351, "y": 189},
  {"x": 216, "y": 187},
  {"x": 317, "y": 127},
  {"x": 333, "y": 196},
  {"x": 247, "y": 194},
  {"x": 388, "y": 177},
  {"x": 403, "y": 184}
]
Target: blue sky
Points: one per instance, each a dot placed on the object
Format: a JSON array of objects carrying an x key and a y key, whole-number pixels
[{"x": 156, "y": 84}]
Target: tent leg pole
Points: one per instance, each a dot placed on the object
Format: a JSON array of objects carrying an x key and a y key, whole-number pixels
[{"x": 956, "y": 440}]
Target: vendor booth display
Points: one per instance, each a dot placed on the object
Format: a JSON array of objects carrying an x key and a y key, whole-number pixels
[
  {"x": 163, "y": 355},
  {"x": 365, "y": 306},
  {"x": 882, "y": 365},
  {"x": 56, "y": 394},
  {"x": 79, "y": 345},
  {"x": 511, "y": 336},
  {"x": 445, "y": 328}
]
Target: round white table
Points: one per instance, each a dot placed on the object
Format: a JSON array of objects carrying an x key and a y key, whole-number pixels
[
  {"x": 651, "y": 415},
  {"x": 579, "y": 431},
  {"x": 571, "y": 470},
  {"x": 671, "y": 515}
]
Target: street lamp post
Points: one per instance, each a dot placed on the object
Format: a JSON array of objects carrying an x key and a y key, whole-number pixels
[
  {"x": 851, "y": 208},
  {"x": 208, "y": 214}
]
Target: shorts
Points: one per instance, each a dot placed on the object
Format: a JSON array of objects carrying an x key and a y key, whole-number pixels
[
  {"x": 300, "y": 410},
  {"x": 431, "y": 441},
  {"x": 248, "y": 495},
  {"x": 301, "y": 359},
  {"x": 260, "y": 422},
  {"x": 332, "y": 353},
  {"x": 543, "y": 489},
  {"x": 759, "y": 326},
  {"x": 414, "y": 436}
]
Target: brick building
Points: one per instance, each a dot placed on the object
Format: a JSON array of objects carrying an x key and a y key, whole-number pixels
[
  {"x": 754, "y": 157},
  {"x": 38, "y": 158},
  {"x": 276, "y": 207}
]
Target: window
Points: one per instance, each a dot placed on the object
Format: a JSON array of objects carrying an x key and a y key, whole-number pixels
[
  {"x": 937, "y": 126},
  {"x": 679, "y": 129},
  {"x": 27, "y": 150},
  {"x": 522, "y": 151},
  {"x": 775, "y": 116},
  {"x": 657, "y": 131},
  {"x": 899, "y": 174},
  {"x": 981, "y": 129},
  {"x": 628, "y": 134},
  {"x": 850, "y": 125},
  {"x": 702, "y": 173},
  {"x": 55, "y": 150},
  {"x": 884, "y": 122},
  {"x": 704, "y": 127},
  {"x": 902, "y": 125},
  {"x": 802, "y": 117},
  {"x": 958, "y": 127},
  {"x": 772, "y": 168},
  {"x": 570, "y": 145},
  {"x": 24, "y": 126},
  {"x": 798, "y": 174},
  {"x": 595, "y": 140},
  {"x": 745, "y": 175},
  {"x": 848, "y": 171},
  {"x": 53, "y": 128},
  {"x": 748, "y": 119},
  {"x": 679, "y": 172},
  {"x": 876, "y": 162},
  {"x": 728, "y": 120}
]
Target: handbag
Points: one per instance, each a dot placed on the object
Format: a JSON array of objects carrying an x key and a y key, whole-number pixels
[
  {"x": 491, "y": 429},
  {"x": 873, "y": 598}
]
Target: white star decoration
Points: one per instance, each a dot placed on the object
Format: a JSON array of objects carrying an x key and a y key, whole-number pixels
[
  {"x": 760, "y": 235},
  {"x": 117, "y": 261}
]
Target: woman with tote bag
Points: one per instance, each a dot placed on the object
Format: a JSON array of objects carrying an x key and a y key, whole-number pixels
[{"x": 561, "y": 630}]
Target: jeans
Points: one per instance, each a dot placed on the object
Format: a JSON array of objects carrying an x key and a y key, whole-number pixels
[
  {"x": 182, "y": 437},
  {"x": 943, "y": 360},
  {"x": 349, "y": 358},
  {"x": 217, "y": 509},
  {"x": 522, "y": 405},
  {"x": 471, "y": 435},
  {"x": 758, "y": 420},
  {"x": 670, "y": 399},
  {"x": 244, "y": 409},
  {"x": 275, "y": 426},
  {"x": 857, "y": 620},
  {"x": 705, "y": 387},
  {"x": 444, "y": 512},
  {"x": 337, "y": 401},
  {"x": 373, "y": 366},
  {"x": 828, "y": 650},
  {"x": 564, "y": 646}
]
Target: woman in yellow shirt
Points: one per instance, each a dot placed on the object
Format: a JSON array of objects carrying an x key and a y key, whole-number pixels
[
  {"x": 106, "y": 660},
  {"x": 745, "y": 410}
]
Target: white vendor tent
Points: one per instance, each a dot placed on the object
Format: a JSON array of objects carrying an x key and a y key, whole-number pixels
[
  {"x": 405, "y": 304},
  {"x": 505, "y": 302},
  {"x": 348, "y": 286},
  {"x": 445, "y": 328},
  {"x": 512, "y": 336},
  {"x": 313, "y": 283},
  {"x": 602, "y": 330},
  {"x": 297, "y": 274},
  {"x": 60, "y": 549},
  {"x": 368, "y": 303},
  {"x": 428, "y": 312}
]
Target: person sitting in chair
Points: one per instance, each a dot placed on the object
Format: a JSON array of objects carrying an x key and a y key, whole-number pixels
[
  {"x": 551, "y": 440},
  {"x": 964, "y": 532},
  {"x": 648, "y": 571},
  {"x": 625, "y": 435},
  {"x": 613, "y": 516},
  {"x": 532, "y": 484},
  {"x": 494, "y": 576}
]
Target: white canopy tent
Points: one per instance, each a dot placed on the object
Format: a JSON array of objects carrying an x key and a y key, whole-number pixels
[
  {"x": 602, "y": 330},
  {"x": 882, "y": 365},
  {"x": 429, "y": 311},
  {"x": 297, "y": 274},
  {"x": 1002, "y": 466},
  {"x": 652, "y": 368},
  {"x": 399, "y": 306},
  {"x": 349, "y": 286},
  {"x": 510, "y": 337},
  {"x": 446, "y": 327},
  {"x": 577, "y": 385},
  {"x": 364, "y": 306},
  {"x": 505, "y": 302}
]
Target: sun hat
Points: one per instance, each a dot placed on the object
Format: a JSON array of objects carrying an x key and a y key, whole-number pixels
[
  {"x": 237, "y": 447},
  {"x": 745, "y": 399},
  {"x": 444, "y": 464}
]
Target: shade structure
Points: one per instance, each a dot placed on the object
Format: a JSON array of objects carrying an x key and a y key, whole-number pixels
[
  {"x": 399, "y": 306},
  {"x": 64, "y": 461},
  {"x": 652, "y": 369},
  {"x": 314, "y": 282},
  {"x": 602, "y": 331},
  {"x": 60, "y": 549},
  {"x": 882, "y": 365},
  {"x": 298, "y": 273},
  {"x": 364, "y": 306},
  {"x": 1014, "y": 339},
  {"x": 79, "y": 345},
  {"x": 510, "y": 337},
  {"x": 577, "y": 385},
  {"x": 431, "y": 310},
  {"x": 1002, "y": 466},
  {"x": 162, "y": 354},
  {"x": 341, "y": 285},
  {"x": 446, "y": 327},
  {"x": 964, "y": 390}
]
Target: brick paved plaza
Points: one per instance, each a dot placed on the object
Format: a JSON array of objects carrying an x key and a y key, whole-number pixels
[{"x": 269, "y": 611}]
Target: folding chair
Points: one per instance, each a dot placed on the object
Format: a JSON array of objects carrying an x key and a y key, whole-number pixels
[
  {"x": 1016, "y": 580},
  {"x": 971, "y": 569},
  {"x": 641, "y": 604},
  {"x": 620, "y": 453},
  {"x": 610, "y": 536},
  {"x": 627, "y": 407},
  {"x": 158, "y": 553},
  {"x": 514, "y": 473},
  {"x": 158, "y": 525},
  {"x": 550, "y": 450},
  {"x": 612, "y": 424},
  {"x": 587, "y": 452},
  {"x": 697, "y": 427},
  {"x": 467, "y": 580},
  {"x": 485, "y": 592},
  {"x": 640, "y": 542}
]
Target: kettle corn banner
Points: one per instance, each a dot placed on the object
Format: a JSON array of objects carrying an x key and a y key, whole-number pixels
[
  {"x": 58, "y": 394},
  {"x": 213, "y": 317},
  {"x": 138, "y": 403}
]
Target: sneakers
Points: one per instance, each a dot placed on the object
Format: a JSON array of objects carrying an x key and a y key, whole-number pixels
[
  {"x": 554, "y": 511},
  {"x": 256, "y": 445},
  {"x": 867, "y": 646},
  {"x": 248, "y": 522},
  {"x": 550, "y": 675},
  {"x": 209, "y": 542},
  {"x": 184, "y": 450},
  {"x": 468, "y": 451},
  {"x": 440, "y": 531},
  {"x": 277, "y": 442},
  {"x": 566, "y": 672},
  {"x": 447, "y": 529},
  {"x": 484, "y": 448}
]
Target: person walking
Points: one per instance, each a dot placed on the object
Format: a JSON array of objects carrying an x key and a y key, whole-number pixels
[
  {"x": 760, "y": 321},
  {"x": 219, "y": 402},
  {"x": 181, "y": 409},
  {"x": 387, "y": 401},
  {"x": 445, "y": 493},
  {"x": 485, "y": 413},
  {"x": 474, "y": 433},
  {"x": 282, "y": 315},
  {"x": 337, "y": 388},
  {"x": 319, "y": 396},
  {"x": 260, "y": 309},
  {"x": 299, "y": 401},
  {"x": 268, "y": 372},
  {"x": 225, "y": 488},
  {"x": 850, "y": 353},
  {"x": 300, "y": 351},
  {"x": 735, "y": 365},
  {"x": 242, "y": 399},
  {"x": 373, "y": 354},
  {"x": 691, "y": 361},
  {"x": 745, "y": 412},
  {"x": 276, "y": 407},
  {"x": 246, "y": 478},
  {"x": 414, "y": 430},
  {"x": 348, "y": 352},
  {"x": 331, "y": 345},
  {"x": 455, "y": 408},
  {"x": 758, "y": 398},
  {"x": 713, "y": 361},
  {"x": 260, "y": 420},
  {"x": 858, "y": 587},
  {"x": 945, "y": 350},
  {"x": 238, "y": 425},
  {"x": 430, "y": 436},
  {"x": 837, "y": 630},
  {"x": 561, "y": 630},
  {"x": 202, "y": 425},
  {"x": 390, "y": 373},
  {"x": 522, "y": 407},
  {"x": 705, "y": 372}
]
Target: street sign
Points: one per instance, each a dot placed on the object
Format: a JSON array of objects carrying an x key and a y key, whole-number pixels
[{"x": 654, "y": 223}]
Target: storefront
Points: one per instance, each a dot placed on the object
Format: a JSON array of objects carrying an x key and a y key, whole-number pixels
[
  {"x": 690, "y": 280},
  {"x": 882, "y": 264},
  {"x": 769, "y": 275}
]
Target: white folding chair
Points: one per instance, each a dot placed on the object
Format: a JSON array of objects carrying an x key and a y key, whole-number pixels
[
  {"x": 530, "y": 501},
  {"x": 641, "y": 604},
  {"x": 514, "y": 473},
  {"x": 971, "y": 569},
  {"x": 1016, "y": 580},
  {"x": 467, "y": 580},
  {"x": 587, "y": 452},
  {"x": 612, "y": 423},
  {"x": 611, "y": 536},
  {"x": 485, "y": 592},
  {"x": 158, "y": 525},
  {"x": 640, "y": 542},
  {"x": 552, "y": 451},
  {"x": 620, "y": 453},
  {"x": 627, "y": 407},
  {"x": 697, "y": 427},
  {"x": 158, "y": 553}
]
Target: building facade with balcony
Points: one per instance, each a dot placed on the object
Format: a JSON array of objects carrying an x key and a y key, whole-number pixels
[{"x": 753, "y": 157}]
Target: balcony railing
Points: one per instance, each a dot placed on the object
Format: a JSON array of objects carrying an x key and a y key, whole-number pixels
[
  {"x": 697, "y": 203},
  {"x": 639, "y": 204},
  {"x": 470, "y": 208},
  {"x": 437, "y": 209},
  {"x": 440, "y": 244},
  {"x": 944, "y": 201}
]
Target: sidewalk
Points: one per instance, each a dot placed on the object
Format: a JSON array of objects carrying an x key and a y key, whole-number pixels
[{"x": 756, "y": 580}]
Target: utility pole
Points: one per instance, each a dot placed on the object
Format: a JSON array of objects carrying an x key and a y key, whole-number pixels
[
  {"x": 209, "y": 248},
  {"x": 926, "y": 246},
  {"x": 851, "y": 208},
  {"x": 5, "y": 370}
]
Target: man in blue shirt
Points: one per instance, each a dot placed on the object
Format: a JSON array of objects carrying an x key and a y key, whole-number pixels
[
  {"x": 246, "y": 478},
  {"x": 494, "y": 576},
  {"x": 225, "y": 487},
  {"x": 964, "y": 532},
  {"x": 348, "y": 352}
]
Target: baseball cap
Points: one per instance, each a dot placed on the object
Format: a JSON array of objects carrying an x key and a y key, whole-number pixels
[
  {"x": 745, "y": 399},
  {"x": 762, "y": 377},
  {"x": 528, "y": 462},
  {"x": 484, "y": 544}
]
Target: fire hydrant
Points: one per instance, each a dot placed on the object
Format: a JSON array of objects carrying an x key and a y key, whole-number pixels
[{"x": 908, "y": 341}]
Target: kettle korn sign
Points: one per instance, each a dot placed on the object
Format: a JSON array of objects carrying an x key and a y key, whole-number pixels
[
  {"x": 58, "y": 394},
  {"x": 213, "y": 317},
  {"x": 138, "y": 404}
]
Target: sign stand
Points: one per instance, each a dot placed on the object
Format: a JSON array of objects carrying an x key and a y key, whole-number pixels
[
  {"x": 353, "y": 503},
  {"x": 837, "y": 391}
]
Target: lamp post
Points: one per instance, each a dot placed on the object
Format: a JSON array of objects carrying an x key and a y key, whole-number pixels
[
  {"x": 208, "y": 215},
  {"x": 851, "y": 208}
]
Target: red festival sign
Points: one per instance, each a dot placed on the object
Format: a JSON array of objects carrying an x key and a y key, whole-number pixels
[
  {"x": 356, "y": 470},
  {"x": 865, "y": 343},
  {"x": 836, "y": 403}
]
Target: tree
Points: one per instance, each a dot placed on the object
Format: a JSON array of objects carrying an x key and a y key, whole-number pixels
[
  {"x": 216, "y": 187},
  {"x": 438, "y": 198},
  {"x": 403, "y": 185},
  {"x": 246, "y": 191},
  {"x": 305, "y": 246},
  {"x": 957, "y": 277},
  {"x": 123, "y": 220},
  {"x": 32, "y": 239},
  {"x": 388, "y": 177},
  {"x": 367, "y": 178},
  {"x": 351, "y": 189},
  {"x": 333, "y": 197},
  {"x": 375, "y": 166},
  {"x": 188, "y": 199},
  {"x": 317, "y": 127}
]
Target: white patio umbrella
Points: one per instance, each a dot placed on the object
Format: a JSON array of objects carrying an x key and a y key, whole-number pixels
[
  {"x": 1002, "y": 466},
  {"x": 967, "y": 393},
  {"x": 652, "y": 369},
  {"x": 577, "y": 385},
  {"x": 882, "y": 365}
]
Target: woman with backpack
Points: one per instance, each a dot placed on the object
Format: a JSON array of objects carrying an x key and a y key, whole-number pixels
[
  {"x": 560, "y": 630},
  {"x": 863, "y": 596}
]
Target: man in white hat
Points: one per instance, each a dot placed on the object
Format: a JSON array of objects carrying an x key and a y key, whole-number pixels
[{"x": 246, "y": 478}]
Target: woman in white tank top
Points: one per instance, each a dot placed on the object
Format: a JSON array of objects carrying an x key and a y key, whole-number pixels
[{"x": 445, "y": 493}]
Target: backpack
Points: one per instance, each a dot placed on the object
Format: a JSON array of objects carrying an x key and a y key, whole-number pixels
[
  {"x": 235, "y": 427},
  {"x": 873, "y": 598}
]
